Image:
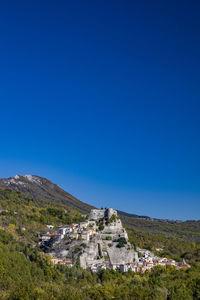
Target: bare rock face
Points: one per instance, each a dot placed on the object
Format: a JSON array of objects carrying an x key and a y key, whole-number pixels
[
  {"x": 101, "y": 241},
  {"x": 110, "y": 212},
  {"x": 120, "y": 255},
  {"x": 96, "y": 214},
  {"x": 105, "y": 247}
]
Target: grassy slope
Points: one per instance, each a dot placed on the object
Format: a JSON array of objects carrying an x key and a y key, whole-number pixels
[{"x": 25, "y": 217}]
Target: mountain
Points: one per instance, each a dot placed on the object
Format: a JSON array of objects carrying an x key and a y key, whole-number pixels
[
  {"x": 32, "y": 202},
  {"x": 42, "y": 188},
  {"x": 39, "y": 187}
]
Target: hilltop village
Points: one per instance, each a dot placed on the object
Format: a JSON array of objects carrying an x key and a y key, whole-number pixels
[{"x": 100, "y": 242}]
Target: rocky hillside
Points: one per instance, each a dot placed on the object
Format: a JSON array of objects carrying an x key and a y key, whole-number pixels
[
  {"x": 25, "y": 217},
  {"x": 39, "y": 187},
  {"x": 42, "y": 188},
  {"x": 100, "y": 242}
]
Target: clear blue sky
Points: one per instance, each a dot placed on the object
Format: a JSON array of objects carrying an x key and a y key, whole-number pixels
[{"x": 103, "y": 98}]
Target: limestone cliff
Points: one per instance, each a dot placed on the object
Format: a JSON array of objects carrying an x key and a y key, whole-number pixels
[{"x": 99, "y": 241}]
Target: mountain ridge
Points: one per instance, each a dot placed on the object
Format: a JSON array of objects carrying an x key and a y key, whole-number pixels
[
  {"x": 172, "y": 236},
  {"x": 40, "y": 187}
]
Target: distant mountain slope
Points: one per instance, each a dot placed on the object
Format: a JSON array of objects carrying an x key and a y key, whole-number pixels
[
  {"x": 40, "y": 187},
  {"x": 187, "y": 230},
  {"x": 125, "y": 214}
]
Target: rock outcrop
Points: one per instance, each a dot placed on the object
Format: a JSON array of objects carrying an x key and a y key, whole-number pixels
[
  {"x": 110, "y": 245},
  {"x": 99, "y": 241},
  {"x": 96, "y": 214}
]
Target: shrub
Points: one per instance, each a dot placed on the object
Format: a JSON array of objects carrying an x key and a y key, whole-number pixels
[
  {"x": 77, "y": 250},
  {"x": 101, "y": 227},
  {"x": 121, "y": 242}
]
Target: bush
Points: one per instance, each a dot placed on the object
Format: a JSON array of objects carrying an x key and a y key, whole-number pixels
[
  {"x": 101, "y": 227},
  {"x": 121, "y": 242},
  {"x": 77, "y": 250}
]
